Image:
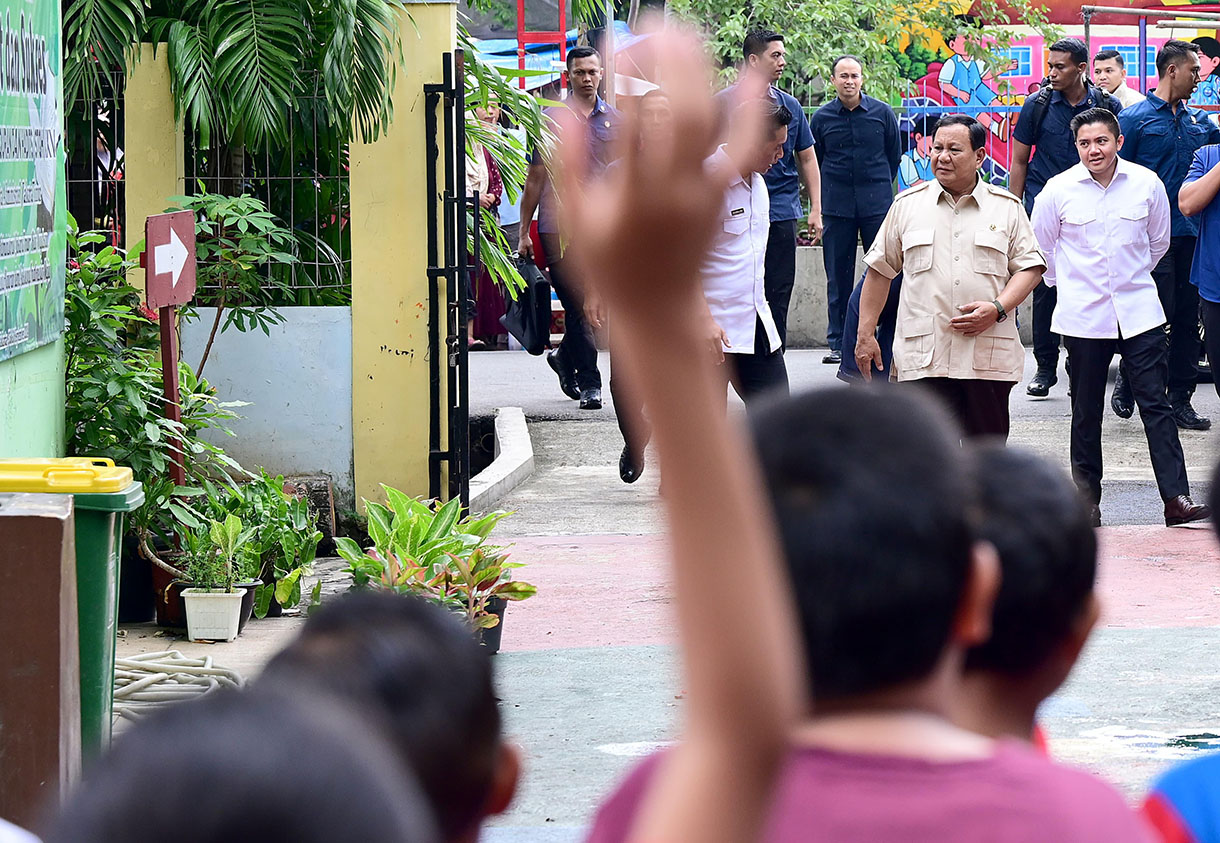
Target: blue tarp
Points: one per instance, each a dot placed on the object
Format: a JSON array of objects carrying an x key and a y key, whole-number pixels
[{"x": 502, "y": 52}]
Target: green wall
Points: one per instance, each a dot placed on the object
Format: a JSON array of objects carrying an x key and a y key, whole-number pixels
[{"x": 32, "y": 403}]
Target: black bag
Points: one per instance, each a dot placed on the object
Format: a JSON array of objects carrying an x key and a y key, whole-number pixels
[{"x": 529, "y": 315}]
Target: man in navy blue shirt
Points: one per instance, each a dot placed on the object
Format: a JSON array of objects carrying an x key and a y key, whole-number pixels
[
  {"x": 1162, "y": 133},
  {"x": 1197, "y": 200},
  {"x": 575, "y": 361},
  {"x": 765, "y": 59},
  {"x": 856, "y": 139},
  {"x": 1044, "y": 126}
]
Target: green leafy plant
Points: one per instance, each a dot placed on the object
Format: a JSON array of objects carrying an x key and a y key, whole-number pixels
[
  {"x": 428, "y": 549},
  {"x": 114, "y": 405},
  {"x": 215, "y": 554},
  {"x": 283, "y": 541}
]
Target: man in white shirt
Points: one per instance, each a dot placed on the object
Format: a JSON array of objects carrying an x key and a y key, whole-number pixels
[
  {"x": 741, "y": 329},
  {"x": 1103, "y": 225}
]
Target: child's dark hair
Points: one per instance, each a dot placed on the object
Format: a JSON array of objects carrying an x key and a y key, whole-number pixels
[
  {"x": 1039, "y": 524},
  {"x": 248, "y": 766},
  {"x": 871, "y": 495},
  {"x": 421, "y": 668}
]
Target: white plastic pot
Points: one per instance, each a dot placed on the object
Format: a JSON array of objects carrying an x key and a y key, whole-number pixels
[{"x": 212, "y": 615}]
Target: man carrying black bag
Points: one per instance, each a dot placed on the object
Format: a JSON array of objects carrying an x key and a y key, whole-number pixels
[{"x": 528, "y": 317}]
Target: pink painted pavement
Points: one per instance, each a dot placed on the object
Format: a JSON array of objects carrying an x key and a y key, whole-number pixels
[{"x": 612, "y": 590}]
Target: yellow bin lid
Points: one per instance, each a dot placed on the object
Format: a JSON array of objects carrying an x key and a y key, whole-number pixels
[{"x": 65, "y": 475}]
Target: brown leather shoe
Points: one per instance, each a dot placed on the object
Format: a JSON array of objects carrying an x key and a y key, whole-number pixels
[{"x": 1182, "y": 510}]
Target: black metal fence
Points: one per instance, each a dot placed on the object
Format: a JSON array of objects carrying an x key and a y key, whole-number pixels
[
  {"x": 303, "y": 182},
  {"x": 93, "y": 142}
]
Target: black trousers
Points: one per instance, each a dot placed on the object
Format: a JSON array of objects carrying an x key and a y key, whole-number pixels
[
  {"x": 779, "y": 273},
  {"x": 1146, "y": 360},
  {"x": 839, "y": 238},
  {"x": 578, "y": 352},
  {"x": 887, "y": 324},
  {"x": 761, "y": 373},
  {"x": 1180, "y": 299},
  {"x": 628, "y": 405},
  {"x": 1211, "y": 336},
  {"x": 1046, "y": 341},
  {"x": 980, "y": 406}
]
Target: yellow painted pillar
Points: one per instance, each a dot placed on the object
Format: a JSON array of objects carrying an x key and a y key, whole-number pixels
[
  {"x": 154, "y": 143},
  {"x": 389, "y": 206}
]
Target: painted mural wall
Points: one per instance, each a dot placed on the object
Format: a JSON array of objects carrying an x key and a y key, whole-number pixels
[{"x": 947, "y": 80}]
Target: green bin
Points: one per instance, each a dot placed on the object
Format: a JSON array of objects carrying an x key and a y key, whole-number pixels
[{"x": 103, "y": 494}]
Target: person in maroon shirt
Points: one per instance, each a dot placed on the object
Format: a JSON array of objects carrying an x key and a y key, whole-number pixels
[{"x": 875, "y": 503}]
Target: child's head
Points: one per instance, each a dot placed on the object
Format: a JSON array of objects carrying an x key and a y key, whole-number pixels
[
  {"x": 921, "y": 135},
  {"x": 420, "y": 667},
  {"x": 248, "y": 766},
  {"x": 872, "y": 496},
  {"x": 1039, "y": 524}
]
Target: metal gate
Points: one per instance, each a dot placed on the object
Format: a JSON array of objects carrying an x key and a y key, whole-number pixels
[{"x": 450, "y": 269}]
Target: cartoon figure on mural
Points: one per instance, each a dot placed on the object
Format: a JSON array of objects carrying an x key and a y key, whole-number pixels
[
  {"x": 916, "y": 164},
  {"x": 1208, "y": 92},
  {"x": 967, "y": 81}
]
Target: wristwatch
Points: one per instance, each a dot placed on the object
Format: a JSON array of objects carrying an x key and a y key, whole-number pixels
[{"x": 1002, "y": 313}]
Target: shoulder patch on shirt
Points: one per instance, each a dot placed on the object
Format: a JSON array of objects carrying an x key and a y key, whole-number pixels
[
  {"x": 999, "y": 191},
  {"x": 911, "y": 191}
]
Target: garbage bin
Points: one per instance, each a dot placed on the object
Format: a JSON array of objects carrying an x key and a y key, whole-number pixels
[{"x": 103, "y": 493}]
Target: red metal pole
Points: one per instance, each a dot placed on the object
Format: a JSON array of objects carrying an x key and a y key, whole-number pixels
[{"x": 169, "y": 380}]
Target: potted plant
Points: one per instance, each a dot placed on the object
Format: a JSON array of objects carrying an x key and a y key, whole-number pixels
[
  {"x": 213, "y": 603},
  {"x": 428, "y": 549}
]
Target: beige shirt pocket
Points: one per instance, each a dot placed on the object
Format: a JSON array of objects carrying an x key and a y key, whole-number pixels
[
  {"x": 916, "y": 343},
  {"x": 997, "y": 352},
  {"x": 917, "y": 251},
  {"x": 991, "y": 253}
]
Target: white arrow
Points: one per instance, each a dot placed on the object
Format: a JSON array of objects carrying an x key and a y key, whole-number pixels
[{"x": 171, "y": 257}]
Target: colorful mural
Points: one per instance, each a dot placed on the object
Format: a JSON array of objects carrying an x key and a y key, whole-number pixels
[{"x": 946, "y": 80}]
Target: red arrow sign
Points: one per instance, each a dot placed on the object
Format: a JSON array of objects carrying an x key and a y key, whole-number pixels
[{"x": 169, "y": 247}]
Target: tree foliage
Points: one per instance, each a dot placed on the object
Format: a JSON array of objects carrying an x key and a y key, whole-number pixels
[{"x": 818, "y": 31}]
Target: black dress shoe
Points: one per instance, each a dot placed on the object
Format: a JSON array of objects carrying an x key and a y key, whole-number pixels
[
  {"x": 1040, "y": 386},
  {"x": 1094, "y": 516},
  {"x": 1182, "y": 510},
  {"x": 567, "y": 381},
  {"x": 629, "y": 468},
  {"x": 1121, "y": 401},
  {"x": 1188, "y": 419},
  {"x": 590, "y": 399},
  {"x": 833, "y": 356}
]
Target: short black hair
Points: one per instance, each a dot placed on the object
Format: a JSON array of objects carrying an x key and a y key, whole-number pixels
[
  {"x": 1172, "y": 52},
  {"x": 978, "y": 135},
  {"x": 248, "y": 766},
  {"x": 834, "y": 65},
  {"x": 1039, "y": 524},
  {"x": 1095, "y": 115},
  {"x": 756, "y": 41},
  {"x": 1108, "y": 55},
  {"x": 421, "y": 667},
  {"x": 871, "y": 495},
  {"x": 1207, "y": 45},
  {"x": 924, "y": 125},
  {"x": 1074, "y": 47},
  {"x": 581, "y": 53},
  {"x": 776, "y": 115}
]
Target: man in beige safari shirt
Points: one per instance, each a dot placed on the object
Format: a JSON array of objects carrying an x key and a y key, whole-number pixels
[{"x": 968, "y": 257}]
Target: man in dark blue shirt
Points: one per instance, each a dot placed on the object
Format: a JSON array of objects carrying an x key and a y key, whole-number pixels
[
  {"x": 1162, "y": 133},
  {"x": 575, "y": 361},
  {"x": 764, "y": 55},
  {"x": 856, "y": 140},
  {"x": 1197, "y": 199},
  {"x": 1044, "y": 126}
]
